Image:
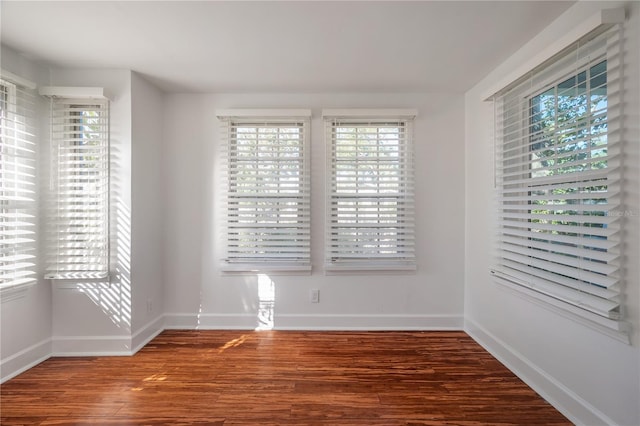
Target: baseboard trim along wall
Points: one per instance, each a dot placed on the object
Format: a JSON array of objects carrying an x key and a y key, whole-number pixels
[
  {"x": 20, "y": 362},
  {"x": 576, "y": 409},
  {"x": 312, "y": 322},
  {"x": 125, "y": 345},
  {"x": 92, "y": 346},
  {"x": 198, "y": 321},
  {"x": 368, "y": 322},
  {"x": 24, "y": 360},
  {"x": 143, "y": 336}
]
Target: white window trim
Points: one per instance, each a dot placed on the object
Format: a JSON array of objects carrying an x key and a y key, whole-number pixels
[
  {"x": 18, "y": 290},
  {"x": 14, "y": 292},
  {"x": 363, "y": 267},
  {"x": 371, "y": 113},
  {"x": 618, "y": 330},
  {"x": 17, "y": 80},
  {"x": 272, "y": 115},
  {"x": 83, "y": 95},
  {"x": 599, "y": 21}
]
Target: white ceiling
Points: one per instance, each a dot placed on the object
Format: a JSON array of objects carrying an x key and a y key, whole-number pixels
[{"x": 238, "y": 46}]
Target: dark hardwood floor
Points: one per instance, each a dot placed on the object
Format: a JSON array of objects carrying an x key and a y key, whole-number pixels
[{"x": 280, "y": 378}]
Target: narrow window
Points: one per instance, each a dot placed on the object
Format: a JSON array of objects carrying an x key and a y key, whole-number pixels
[
  {"x": 18, "y": 193},
  {"x": 370, "y": 205},
  {"x": 268, "y": 194},
  {"x": 79, "y": 213}
]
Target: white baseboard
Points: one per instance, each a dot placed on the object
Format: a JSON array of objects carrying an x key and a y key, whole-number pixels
[
  {"x": 24, "y": 360},
  {"x": 576, "y": 409},
  {"x": 210, "y": 321},
  {"x": 79, "y": 346},
  {"x": 92, "y": 346},
  {"x": 143, "y": 336},
  {"x": 367, "y": 322},
  {"x": 126, "y": 345},
  {"x": 314, "y": 322}
]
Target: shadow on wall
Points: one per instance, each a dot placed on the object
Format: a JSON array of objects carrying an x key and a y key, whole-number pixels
[{"x": 114, "y": 297}]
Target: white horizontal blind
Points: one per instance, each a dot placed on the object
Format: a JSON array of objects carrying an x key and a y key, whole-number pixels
[
  {"x": 268, "y": 193},
  {"x": 78, "y": 227},
  {"x": 370, "y": 208},
  {"x": 17, "y": 185},
  {"x": 558, "y": 178}
]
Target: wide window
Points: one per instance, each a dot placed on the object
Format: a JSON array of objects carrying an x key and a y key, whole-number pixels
[
  {"x": 558, "y": 180},
  {"x": 78, "y": 223},
  {"x": 17, "y": 186},
  {"x": 268, "y": 190},
  {"x": 370, "y": 204}
]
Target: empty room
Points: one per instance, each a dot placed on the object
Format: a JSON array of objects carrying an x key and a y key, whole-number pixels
[{"x": 320, "y": 212}]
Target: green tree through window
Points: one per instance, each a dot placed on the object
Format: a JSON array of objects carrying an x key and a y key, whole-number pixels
[{"x": 568, "y": 134}]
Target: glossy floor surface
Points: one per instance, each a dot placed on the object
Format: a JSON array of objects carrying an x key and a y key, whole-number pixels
[{"x": 280, "y": 378}]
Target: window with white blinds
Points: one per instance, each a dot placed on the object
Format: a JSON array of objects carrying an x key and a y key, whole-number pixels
[
  {"x": 370, "y": 205},
  {"x": 78, "y": 225},
  {"x": 17, "y": 185},
  {"x": 268, "y": 192},
  {"x": 558, "y": 179}
]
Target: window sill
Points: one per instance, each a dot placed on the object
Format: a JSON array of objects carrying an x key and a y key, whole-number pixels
[
  {"x": 78, "y": 276},
  {"x": 13, "y": 292},
  {"x": 270, "y": 269},
  {"x": 377, "y": 268},
  {"x": 618, "y": 330},
  {"x": 80, "y": 280}
]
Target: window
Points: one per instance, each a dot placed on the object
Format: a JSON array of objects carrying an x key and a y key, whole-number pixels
[
  {"x": 558, "y": 178},
  {"x": 370, "y": 205},
  {"x": 17, "y": 186},
  {"x": 78, "y": 224},
  {"x": 268, "y": 191}
]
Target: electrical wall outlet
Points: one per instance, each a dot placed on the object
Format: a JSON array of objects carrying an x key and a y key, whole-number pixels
[
  {"x": 314, "y": 296},
  {"x": 149, "y": 306}
]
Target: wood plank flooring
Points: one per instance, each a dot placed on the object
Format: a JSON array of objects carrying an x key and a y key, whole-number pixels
[{"x": 280, "y": 378}]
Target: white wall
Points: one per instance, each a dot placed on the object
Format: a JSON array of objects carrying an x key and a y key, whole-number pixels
[
  {"x": 590, "y": 377},
  {"x": 147, "y": 225},
  {"x": 110, "y": 317},
  {"x": 197, "y": 295},
  {"x": 25, "y": 321},
  {"x": 88, "y": 317}
]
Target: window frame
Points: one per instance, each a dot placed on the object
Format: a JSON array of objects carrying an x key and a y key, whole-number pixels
[
  {"x": 90, "y": 257},
  {"x": 403, "y": 260},
  {"x": 237, "y": 258},
  {"x": 20, "y": 271},
  {"x": 602, "y": 45}
]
